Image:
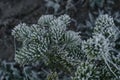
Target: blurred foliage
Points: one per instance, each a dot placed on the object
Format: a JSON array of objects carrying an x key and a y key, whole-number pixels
[
  {"x": 95, "y": 69},
  {"x": 98, "y": 3}
]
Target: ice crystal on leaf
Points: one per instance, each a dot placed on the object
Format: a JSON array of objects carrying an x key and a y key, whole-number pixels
[
  {"x": 50, "y": 41},
  {"x": 49, "y": 37},
  {"x": 100, "y": 51},
  {"x": 105, "y": 25}
]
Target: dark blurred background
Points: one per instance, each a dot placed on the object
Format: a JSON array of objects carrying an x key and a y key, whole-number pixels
[{"x": 82, "y": 12}]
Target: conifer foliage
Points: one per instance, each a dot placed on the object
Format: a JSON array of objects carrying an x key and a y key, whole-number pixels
[
  {"x": 102, "y": 57},
  {"x": 49, "y": 41}
]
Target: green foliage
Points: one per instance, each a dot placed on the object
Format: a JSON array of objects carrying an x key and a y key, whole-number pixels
[
  {"x": 13, "y": 71},
  {"x": 52, "y": 76},
  {"x": 61, "y": 50},
  {"x": 49, "y": 41},
  {"x": 8, "y": 71},
  {"x": 102, "y": 58}
]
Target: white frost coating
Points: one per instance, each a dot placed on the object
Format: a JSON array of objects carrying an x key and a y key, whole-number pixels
[
  {"x": 95, "y": 56},
  {"x": 105, "y": 25},
  {"x": 49, "y": 36},
  {"x": 20, "y": 31},
  {"x": 44, "y": 20},
  {"x": 100, "y": 49}
]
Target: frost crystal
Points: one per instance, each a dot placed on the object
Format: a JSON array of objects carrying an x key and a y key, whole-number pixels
[
  {"x": 51, "y": 43},
  {"x": 106, "y": 26},
  {"x": 47, "y": 38},
  {"x": 100, "y": 52}
]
